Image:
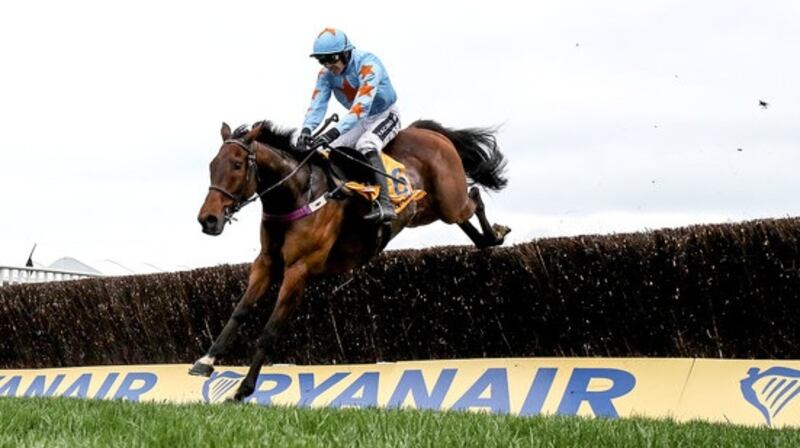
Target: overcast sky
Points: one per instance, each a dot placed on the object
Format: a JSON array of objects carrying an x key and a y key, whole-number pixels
[{"x": 615, "y": 116}]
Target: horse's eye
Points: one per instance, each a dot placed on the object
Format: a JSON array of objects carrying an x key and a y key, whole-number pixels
[{"x": 238, "y": 165}]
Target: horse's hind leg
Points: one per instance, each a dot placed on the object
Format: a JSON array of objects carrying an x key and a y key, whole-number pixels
[
  {"x": 474, "y": 234},
  {"x": 455, "y": 206},
  {"x": 493, "y": 235},
  {"x": 473, "y": 205}
]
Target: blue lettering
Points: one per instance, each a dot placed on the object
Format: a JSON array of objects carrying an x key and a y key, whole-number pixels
[
  {"x": 80, "y": 387},
  {"x": 307, "y": 390},
  {"x": 538, "y": 391},
  {"x": 399, "y": 189},
  {"x": 577, "y": 391},
  {"x": 106, "y": 386},
  {"x": 412, "y": 381},
  {"x": 497, "y": 381},
  {"x": 10, "y": 388},
  {"x": 366, "y": 385},
  {"x": 264, "y": 397},
  {"x": 36, "y": 389},
  {"x": 126, "y": 389}
]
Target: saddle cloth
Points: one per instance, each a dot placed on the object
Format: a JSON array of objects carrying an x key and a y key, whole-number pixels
[{"x": 400, "y": 195}]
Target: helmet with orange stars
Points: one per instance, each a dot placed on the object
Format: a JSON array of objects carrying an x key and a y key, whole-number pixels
[{"x": 331, "y": 41}]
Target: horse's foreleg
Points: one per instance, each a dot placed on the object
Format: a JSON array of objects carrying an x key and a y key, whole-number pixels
[
  {"x": 257, "y": 286},
  {"x": 294, "y": 280}
]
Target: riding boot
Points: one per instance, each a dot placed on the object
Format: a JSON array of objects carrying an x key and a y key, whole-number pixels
[{"x": 382, "y": 208}]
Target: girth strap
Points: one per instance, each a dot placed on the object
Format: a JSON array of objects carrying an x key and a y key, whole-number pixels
[{"x": 300, "y": 213}]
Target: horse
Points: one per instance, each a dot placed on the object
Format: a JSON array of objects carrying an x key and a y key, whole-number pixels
[{"x": 300, "y": 242}]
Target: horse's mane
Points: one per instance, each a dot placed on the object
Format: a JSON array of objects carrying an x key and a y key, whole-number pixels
[{"x": 271, "y": 134}]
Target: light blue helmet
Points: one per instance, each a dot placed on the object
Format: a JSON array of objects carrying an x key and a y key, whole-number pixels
[{"x": 331, "y": 41}]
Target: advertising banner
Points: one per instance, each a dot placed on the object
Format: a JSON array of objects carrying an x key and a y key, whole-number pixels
[{"x": 737, "y": 391}]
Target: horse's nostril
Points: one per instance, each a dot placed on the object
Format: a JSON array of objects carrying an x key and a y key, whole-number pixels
[{"x": 208, "y": 222}]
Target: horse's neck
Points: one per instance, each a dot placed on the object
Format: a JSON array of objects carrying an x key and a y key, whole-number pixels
[
  {"x": 274, "y": 166},
  {"x": 272, "y": 161}
]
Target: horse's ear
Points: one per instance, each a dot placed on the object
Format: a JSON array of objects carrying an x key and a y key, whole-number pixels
[
  {"x": 253, "y": 132},
  {"x": 225, "y": 131}
]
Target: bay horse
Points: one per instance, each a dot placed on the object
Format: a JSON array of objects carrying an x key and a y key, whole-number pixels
[{"x": 299, "y": 241}]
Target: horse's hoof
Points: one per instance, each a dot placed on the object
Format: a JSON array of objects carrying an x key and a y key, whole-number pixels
[
  {"x": 501, "y": 231},
  {"x": 200, "y": 369}
]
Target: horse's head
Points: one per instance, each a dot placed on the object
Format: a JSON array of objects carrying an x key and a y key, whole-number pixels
[{"x": 234, "y": 178}]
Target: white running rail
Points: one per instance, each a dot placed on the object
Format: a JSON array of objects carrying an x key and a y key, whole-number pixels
[{"x": 10, "y": 275}]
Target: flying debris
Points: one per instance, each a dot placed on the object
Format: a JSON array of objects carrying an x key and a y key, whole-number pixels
[{"x": 763, "y": 104}]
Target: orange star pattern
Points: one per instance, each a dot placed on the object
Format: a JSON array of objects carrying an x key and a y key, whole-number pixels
[
  {"x": 314, "y": 94},
  {"x": 357, "y": 109},
  {"x": 348, "y": 90},
  {"x": 365, "y": 71},
  {"x": 327, "y": 30},
  {"x": 366, "y": 89}
]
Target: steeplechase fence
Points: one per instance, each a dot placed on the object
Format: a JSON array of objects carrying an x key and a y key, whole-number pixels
[{"x": 711, "y": 291}]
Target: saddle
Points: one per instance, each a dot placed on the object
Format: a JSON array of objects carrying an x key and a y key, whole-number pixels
[{"x": 354, "y": 178}]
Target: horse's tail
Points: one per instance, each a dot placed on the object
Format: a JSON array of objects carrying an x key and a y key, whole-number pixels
[{"x": 483, "y": 162}]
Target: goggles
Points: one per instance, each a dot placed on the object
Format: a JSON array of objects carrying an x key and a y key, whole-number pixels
[{"x": 327, "y": 58}]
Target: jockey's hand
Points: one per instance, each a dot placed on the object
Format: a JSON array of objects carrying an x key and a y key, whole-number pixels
[
  {"x": 326, "y": 138},
  {"x": 304, "y": 140}
]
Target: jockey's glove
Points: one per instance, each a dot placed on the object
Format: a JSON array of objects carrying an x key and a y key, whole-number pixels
[
  {"x": 304, "y": 140},
  {"x": 326, "y": 138}
]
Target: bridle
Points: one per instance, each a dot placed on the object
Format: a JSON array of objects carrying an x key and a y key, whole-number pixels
[
  {"x": 240, "y": 201},
  {"x": 251, "y": 171}
]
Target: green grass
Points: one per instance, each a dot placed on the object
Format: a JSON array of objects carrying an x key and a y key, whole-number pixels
[{"x": 53, "y": 422}]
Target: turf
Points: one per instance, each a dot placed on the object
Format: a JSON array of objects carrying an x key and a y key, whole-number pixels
[{"x": 56, "y": 422}]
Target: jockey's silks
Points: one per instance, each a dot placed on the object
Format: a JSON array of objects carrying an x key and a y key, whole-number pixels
[{"x": 363, "y": 89}]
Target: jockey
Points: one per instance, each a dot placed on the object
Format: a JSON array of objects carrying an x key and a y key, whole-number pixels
[{"x": 360, "y": 83}]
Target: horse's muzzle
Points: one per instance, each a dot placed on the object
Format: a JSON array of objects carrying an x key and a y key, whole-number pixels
[{"x": 212, "y": 225}]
